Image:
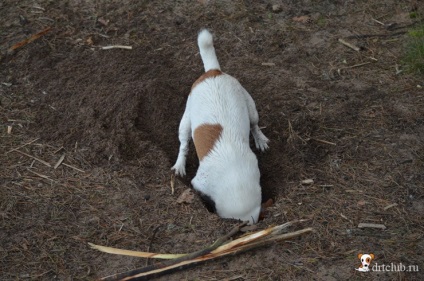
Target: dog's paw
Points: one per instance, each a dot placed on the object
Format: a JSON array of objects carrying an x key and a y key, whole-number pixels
[
  {"x": 179, "y": 169},
  {"x": 261, "y": 141}
]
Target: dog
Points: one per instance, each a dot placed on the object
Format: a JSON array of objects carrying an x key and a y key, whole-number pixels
[
  {"x": 366, "y": 261},
  {"x": 219, "y": 115}
]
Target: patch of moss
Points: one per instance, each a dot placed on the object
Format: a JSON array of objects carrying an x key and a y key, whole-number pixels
[{"x": 414, "y": 55}]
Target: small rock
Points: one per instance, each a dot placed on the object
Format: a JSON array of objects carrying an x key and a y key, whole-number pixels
[
  {"x": 276, "y": 8},
  {"x": 307, "y": 182}
]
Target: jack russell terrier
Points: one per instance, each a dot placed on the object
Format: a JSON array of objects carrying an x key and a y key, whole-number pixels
[{"x": 219, "y": 115}]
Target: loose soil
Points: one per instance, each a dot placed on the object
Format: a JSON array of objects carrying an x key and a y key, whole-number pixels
[{"x": 349, "y": 120}]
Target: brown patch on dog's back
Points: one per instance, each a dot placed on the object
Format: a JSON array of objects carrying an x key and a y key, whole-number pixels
[
  {"x": 204, "y": 138},
  {"x": 208, "y": 74}
]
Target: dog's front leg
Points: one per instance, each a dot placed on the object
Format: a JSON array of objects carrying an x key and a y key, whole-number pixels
[
  {"x": 261, "y": 140},
  {"x": 184, "y": 134}
]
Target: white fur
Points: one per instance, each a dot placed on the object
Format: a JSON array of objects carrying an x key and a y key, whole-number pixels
[
  {"x": 207, "y": 51},
  {"x": 229, "y": 174}
]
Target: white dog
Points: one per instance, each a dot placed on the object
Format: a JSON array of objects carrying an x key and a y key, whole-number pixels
[{"x": 219, "y": 115}]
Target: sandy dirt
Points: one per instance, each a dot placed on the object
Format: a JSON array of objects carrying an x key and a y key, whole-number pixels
[{"x": 352, "y": 121}]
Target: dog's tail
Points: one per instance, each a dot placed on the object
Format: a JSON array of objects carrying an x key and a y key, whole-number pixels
[{"x": 207, "y": 51}]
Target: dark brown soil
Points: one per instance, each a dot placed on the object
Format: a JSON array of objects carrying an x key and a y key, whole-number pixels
[{"x": 344, "y": 118}]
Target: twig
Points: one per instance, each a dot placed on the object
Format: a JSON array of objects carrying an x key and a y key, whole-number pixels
[
  {"x": 218, "y": 249},
  {"x": 29, "y": 40},
  {"x": 144, "y": 275},
  {"x": 117, "y": 47},
  {"x": 23, "y": 145},
  {"x": 371, "y": 225},
  {"x": 149, "y": 248},
  {"x": 357, "y": 65},
  {"x": 390, "y": 206},
  {"x": 377, "y": 21},
  {"x": 38, "y": 7},
  {"x": 293, "y": 134},
  {"x": 33, "y": 157},
  {"x": 130, "y": 253},
  {"x": 245, "y": 239},
  {"x": 347, "y": 44},
  {"x": 172, "y": 183},
  {"x": 324, "y": 141},
  {"x": 72, "y": 167},
  {"x": 374, "y": 35},
  {"x": 40, "y": 175},
  {"x": 59, "y": 161},
  {"x": 175, "y": 262}
]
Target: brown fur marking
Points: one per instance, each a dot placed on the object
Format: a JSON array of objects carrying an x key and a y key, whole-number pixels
[
  {"x": 208, "y": 74},
  {"x": 205, "y": 137}
]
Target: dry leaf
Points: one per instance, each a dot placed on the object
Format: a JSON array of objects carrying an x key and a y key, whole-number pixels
[
  {"x": 186, "y": 197},
  {"x": 268, "y": 203},
  {"x": 302, "y": 19},
  {"x": 103, "y": 21},
  {"x": 89, "y": 41},
  {"x": 361, "y": 203},
  {"x": 264, "y": 207}
]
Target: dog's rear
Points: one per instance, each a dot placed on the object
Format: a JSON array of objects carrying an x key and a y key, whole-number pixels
[{"x": 219, "y": 116}]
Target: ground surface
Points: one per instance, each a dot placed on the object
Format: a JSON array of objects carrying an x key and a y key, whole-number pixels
[{"x": 344, "y": 118}]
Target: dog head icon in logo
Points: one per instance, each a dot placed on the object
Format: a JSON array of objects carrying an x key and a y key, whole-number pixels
[{"x": 365, "y": 262}]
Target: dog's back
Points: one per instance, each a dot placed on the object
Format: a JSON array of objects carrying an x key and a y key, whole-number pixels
[{"x": 218, "y": 97}]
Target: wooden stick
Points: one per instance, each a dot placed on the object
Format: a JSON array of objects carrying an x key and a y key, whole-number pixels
[
  {"x": 72, "y": 167},
  {"x": 40, "y": 175},
  {"x": 29, "y": 40},
  {"x": 130, "y": 274},
  {"x": 375, "y": 35},
  {"x": 324, "y": 141},
  {"x": 371, "y": 225},
  {"x": 23, "y": 145},
  {"x": 218, "y": 249},
  {"x": 115, "y": 251},
  {"x": 390, "y": 206},
  {"x": 242, "y": 240},
  {"x": 377, "y": 21},
  {"x": 117, "y": 47},
  {"x": 33, "y": 157},
  {"x": 138, "y": 275},
  {"x": 347, "y": 44},
  {"x": 59, "y": 161},
  {"x": 357, "y": 65},
  {"x": 172, "y": 183}
]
